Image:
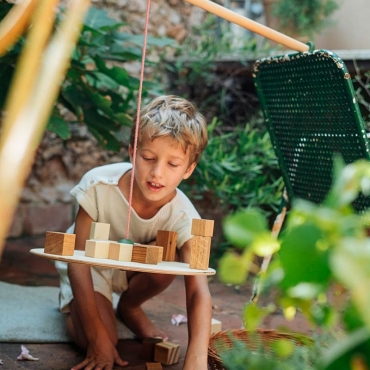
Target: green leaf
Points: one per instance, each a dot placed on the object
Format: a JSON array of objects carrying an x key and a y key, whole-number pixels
[
  {"x": 98, "y": 18},
  {"x": 301, "y": 258},
  {"x": 242, "y": 228},
  {"x": 233, "y": 269},
  {"x": 59, "y": 126},
  {"x": 254, "y": 315},
  {"x": 120, "y": 75},
  {"x": 264, "y": 244}
]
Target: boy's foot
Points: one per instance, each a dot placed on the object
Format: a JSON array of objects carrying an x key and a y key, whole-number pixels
[{"x": 140, "y": 324}]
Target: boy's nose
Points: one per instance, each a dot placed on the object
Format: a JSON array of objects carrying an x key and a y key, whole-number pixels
[{"x": 157, "y": 170}]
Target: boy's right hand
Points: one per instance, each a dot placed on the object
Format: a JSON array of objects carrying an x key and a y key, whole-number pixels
[{"x": 101, "y": 355}]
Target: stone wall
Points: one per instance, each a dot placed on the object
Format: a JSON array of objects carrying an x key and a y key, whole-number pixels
[{"x": 45, "y": 203}]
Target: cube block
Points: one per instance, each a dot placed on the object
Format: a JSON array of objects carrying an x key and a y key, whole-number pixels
[
  {"x": 99, "y": 231},
  {"x": 167, "y": 240},
  {"x": 200, "y": 251},
  {"x": 97, "y": 248},
  {"x": 202, "y": 227},
  {"x": 148, "y": 347},
  {"x": 59, "y": 243},
  {"x": 120, "y": 251},
  {"x": 167, "y": 353},
  {"x": 150, "y": 254},
  {"x": 216, "y": 326}
]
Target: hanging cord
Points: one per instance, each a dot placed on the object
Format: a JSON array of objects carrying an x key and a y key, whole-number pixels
[{"x": 137, "y": 117}]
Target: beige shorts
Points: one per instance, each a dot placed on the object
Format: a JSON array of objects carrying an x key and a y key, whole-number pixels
[{"x": 105, "y": 281}]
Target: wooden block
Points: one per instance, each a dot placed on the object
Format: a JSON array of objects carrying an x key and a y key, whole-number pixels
[
  {"x": 200, "y": 251},
  {"x": 167, "y": 353},
  {"x": 167, "y": 240},
  {"x": 99, "y": 231},
  {"x": 202, "y": 227},
  {"x": 120, "y": 251},
  {"x": 97, "y": 248},
  {"x": 150, "y": 254},
  {"x": 216, "y": 326},
  {"x": 59, "y": 243},
  {"x": 148, "y": 347},
  {"x": 153, "y": 366}
]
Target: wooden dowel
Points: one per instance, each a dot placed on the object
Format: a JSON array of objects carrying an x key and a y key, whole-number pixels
[{"x": 247, "y": 23}]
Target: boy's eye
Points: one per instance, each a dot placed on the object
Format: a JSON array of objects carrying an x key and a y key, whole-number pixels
[
  {"x": 173, "y": 165},
  {"x": 147, "y": 158}
]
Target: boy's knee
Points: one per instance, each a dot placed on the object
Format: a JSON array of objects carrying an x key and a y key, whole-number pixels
[{"x": 162, "y": 279}]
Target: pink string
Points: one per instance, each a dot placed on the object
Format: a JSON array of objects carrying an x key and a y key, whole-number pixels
[{"x": 137, "y": 117}]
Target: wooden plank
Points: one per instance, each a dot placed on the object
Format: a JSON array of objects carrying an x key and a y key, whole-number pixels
[
  {"x": 148, "y": 347},
  {"x": 120, "y": 251},
  {"x": 202, "y": 227},
  {"x": 97, "y": 248},
  {"x": 167, "y": 240},
  {"x": 150, "y": 254},
  {"x": 153, "y": 366},
  {"x": 200, "y": 251},
  {"x": 59, "y": 243},
  {"x": 167, "y": 353},
  {"x": 99, "y": 231},
  {"x": 172, "y": 268}
]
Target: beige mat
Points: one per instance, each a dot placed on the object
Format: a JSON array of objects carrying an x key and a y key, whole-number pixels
[{"x": 31, "y": 315}]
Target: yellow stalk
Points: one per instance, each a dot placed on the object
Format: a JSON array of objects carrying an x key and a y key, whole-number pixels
[
  {"x": 17, "y": 152},
  {"x": 29, "y": 61},
  {"x": 14, "y": 24}
]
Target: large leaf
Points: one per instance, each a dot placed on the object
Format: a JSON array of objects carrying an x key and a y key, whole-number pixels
[
  {"x": 98, "y": 18},
  {"x": 59, "y": 126},
  {"x": 120, "y": 75},
  {"x": 301, "y": 258}
]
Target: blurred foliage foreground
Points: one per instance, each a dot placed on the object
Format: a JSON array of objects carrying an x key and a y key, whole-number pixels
[{"x": 320, "y": 267}]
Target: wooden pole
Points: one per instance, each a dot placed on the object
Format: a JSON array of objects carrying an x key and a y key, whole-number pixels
[
  {"x": 27, "y": 126},
  {"x": 247, "y": 23}
]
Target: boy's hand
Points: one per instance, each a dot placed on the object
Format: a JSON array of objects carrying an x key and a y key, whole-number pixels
[{"x": 101, "y": 355}]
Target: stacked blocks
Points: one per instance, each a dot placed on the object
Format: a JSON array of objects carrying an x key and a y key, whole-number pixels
[
  {"x": 59, "y": 243},
  {"x": 167, "y": 240},
  {"x": 98, "y": 244},
  {"x": 167, "y": 353},
  {"x": 202, "y": 231},
  {"x": 120, "y": 251}
]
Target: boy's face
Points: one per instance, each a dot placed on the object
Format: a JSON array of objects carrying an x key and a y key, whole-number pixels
[{"x": 161, "y": 165}]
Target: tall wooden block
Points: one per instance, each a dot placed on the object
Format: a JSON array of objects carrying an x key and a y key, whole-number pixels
[
  {"x": 216, "y": 326},
  {"x": 202, "y": 227},
  {"x": 167, "y": 353},
  {"x": 167, "y": 240},
  {"x": 59, "y": 243},
  {"x": 99, "y": 231},
  {"x": 120, "y": 251},
  {"x": 200, "y": 251},
  {"x": 154, "y": 366},
  {"x": 150, "y": 254},
  {"x": 148, "y": 347},
  {"x": 97, "y": 248}
]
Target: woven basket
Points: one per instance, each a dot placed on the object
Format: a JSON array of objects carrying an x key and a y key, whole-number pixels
[{"x": 223, "y": 340}]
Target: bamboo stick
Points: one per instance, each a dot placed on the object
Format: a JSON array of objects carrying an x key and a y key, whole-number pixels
[
  {"x": 249, "y": 24},
  {"x": 17, "y": 151},
  {"x": 14, "y": 24}
]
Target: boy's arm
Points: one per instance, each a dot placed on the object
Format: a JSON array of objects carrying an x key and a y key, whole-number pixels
[
  {"x": 199, "y": 311},
  {"x": 100, "y": 349}
]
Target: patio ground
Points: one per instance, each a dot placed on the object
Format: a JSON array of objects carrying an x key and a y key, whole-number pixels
[{"x": 18, "y": 266}]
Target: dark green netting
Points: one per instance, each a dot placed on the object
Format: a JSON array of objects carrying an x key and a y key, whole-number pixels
[{"x": 311, "y": 113}]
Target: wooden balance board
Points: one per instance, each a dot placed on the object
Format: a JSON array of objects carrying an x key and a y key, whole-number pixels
[{"x": 171, "y": 268}]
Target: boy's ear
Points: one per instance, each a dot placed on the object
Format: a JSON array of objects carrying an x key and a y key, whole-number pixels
[{"x": 189, "y": 171}]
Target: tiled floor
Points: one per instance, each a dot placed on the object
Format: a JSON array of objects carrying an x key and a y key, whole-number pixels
[{"x": 18, "y": 266}]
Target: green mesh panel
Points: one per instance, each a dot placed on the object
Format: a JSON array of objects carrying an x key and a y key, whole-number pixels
[{"x": 311, "y": 112}]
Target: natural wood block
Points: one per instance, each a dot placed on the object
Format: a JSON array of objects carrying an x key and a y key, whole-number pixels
[
  {"x": 97, "y": 248},
  {"x": 200, "y": 251},
  {"x": 59, "y": 243},
  {"x": 216, "y": 326},
  {"x": 148, "y": 347},
  {"x": 99, "y": 231},
  {"x": 153, "y": 366},
  {"x": 150, "y": 254},
  {"x": 167, "y": 240},
  {"x": 120, "y": 251},
  {"x": 202, "y": 227},
  {"x": 167, "y": 353}
]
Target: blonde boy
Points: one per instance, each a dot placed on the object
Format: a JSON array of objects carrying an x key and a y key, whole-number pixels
[{"x": 172, "y": 136}]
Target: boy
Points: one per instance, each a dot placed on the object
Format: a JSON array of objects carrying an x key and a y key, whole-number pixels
[{"x": 172, "y": 136}]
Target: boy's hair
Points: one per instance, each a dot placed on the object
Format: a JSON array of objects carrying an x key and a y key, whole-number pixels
[{"x": 175, "y": 117}]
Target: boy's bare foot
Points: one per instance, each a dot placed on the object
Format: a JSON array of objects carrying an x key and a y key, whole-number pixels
[{"x": 139, "y": 323}]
